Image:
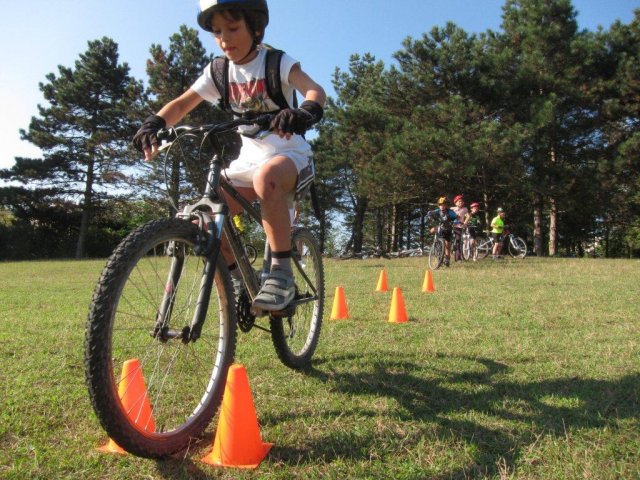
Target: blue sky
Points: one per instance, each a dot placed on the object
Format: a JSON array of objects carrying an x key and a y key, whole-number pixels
[{"x": 38, "y": 35}]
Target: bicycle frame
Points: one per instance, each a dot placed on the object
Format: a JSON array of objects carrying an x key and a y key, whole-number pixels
[{"x": 213, "y": 216}]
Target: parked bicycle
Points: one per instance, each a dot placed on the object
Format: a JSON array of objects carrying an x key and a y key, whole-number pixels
[
  {"x": 165, "y": 298},
  {"x": 516, "y": 246}
]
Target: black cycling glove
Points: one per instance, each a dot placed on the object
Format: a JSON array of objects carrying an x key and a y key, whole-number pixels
[
  {"x": 298, "y": 120},
  {"x": 146, "y": 136}
]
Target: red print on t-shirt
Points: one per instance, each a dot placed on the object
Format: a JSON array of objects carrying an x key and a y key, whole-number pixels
[{"x": 249, "y": 96}]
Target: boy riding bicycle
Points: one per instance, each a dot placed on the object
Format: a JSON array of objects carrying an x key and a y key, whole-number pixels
[
  {"x": 271, "y": 168},
  {"x": 445, "y": 217}
]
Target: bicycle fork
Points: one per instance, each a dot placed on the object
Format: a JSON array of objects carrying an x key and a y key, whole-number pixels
[{"x": 207, "y": 245}]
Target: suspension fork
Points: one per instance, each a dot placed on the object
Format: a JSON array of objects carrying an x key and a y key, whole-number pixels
[{"x": 208, "y": 246}]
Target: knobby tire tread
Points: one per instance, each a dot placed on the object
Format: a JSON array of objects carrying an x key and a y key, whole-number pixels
[{"x": 98, "y": 366}]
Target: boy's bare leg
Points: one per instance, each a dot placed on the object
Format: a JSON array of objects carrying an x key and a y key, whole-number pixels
[{"x": 273, "y": 183}]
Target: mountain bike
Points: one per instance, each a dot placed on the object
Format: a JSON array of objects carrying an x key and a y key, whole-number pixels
[
  {"x": 165, "y": 298},
  {"x": 516, "y": 246},
  {"x": 436, "y": 252}
]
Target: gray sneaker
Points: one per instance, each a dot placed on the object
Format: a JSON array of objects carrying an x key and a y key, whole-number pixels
[{"x": 276, "y": 293}]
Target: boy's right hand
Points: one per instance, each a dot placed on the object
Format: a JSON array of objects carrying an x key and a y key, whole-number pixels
[{"x": 146, "y": 138}]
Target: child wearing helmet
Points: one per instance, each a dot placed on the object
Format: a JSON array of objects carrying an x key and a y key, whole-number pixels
[
  {"x": 497, "y": 230},
  {"x": 473, "y": 223},
  {"x": 445, "y": 217},
  {"x": 458, "y": 225},
  {"x": 272, "y": 168}
]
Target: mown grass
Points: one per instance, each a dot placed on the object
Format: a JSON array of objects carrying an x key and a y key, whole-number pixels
[{"x": 521, "y": 369}]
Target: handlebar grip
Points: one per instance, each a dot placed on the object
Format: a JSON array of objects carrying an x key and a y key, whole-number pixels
[{"x": 167, "y": 134}]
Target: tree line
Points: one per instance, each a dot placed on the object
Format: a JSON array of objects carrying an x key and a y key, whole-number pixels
[{"x": 539, "y": 117}]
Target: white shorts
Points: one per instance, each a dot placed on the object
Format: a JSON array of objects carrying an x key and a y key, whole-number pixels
[{"x": 256, "y": 153}]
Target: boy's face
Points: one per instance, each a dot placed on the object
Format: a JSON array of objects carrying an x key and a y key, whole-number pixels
[
  {"x": 443, "y": 207},
  {"x": 460, "y": 203},
  {"x": 474, "y": 209},
  {"x": 232, "y": 36}
]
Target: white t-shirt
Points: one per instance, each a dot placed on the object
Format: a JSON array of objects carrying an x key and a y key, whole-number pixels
[
  {"x": 248, "y": 93},
  {"x": 247, "y": 85}
]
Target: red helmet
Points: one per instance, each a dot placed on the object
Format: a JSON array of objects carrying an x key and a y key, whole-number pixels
[
  {"x": 475, "y": 204},
  {"x": 457, "y": 197}
]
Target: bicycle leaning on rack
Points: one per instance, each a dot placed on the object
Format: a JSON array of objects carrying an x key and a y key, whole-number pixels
[
  {"x": 516, "y": 246},
  {"x": 165, "y": 298}
]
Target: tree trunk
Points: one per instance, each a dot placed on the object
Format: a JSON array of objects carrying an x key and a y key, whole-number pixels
[
  {"x": 87, "y": 207},
  {"x": 358, "y": 223},
  {"x": 379, "y": 229},
  {"x": 422, "y": 227},
  {"x": 394, "y": 228},
  {"x": 553, "y": 226},
  {"x": 537, "y": 225}
]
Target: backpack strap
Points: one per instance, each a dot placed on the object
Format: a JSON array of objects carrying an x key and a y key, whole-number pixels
[
  {"x": 273, "y": 80},
  {"x": 220, "y": 75}
]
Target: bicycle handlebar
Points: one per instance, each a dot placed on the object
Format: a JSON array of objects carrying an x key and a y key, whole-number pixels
[{"x": 263, "y": 121}]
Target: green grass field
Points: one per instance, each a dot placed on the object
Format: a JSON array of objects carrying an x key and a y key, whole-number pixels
[{"x": 520, "y": 369}]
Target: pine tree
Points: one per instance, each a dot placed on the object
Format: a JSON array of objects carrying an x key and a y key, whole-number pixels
[
  {"x": 83, "y": 132},
  {"x": 171, "y": 72}
]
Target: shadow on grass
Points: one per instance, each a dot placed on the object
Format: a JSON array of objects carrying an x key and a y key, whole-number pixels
[
  {"x": 547, "y": 407},
  {"x": 441, "y": 407}
]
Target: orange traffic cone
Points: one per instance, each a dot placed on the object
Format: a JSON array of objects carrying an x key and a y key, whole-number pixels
[
  {"x": 427, "y": 284},
  {"x": 135, "y": 401},
  {"x": 339, "y": 310},
  {"x": 397, "y": 313},
  {"x": 238, "y": 442},
  {"x": 382, "y": 282}
]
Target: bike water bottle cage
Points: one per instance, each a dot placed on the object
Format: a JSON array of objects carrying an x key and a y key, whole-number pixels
[{"x": 220, "y": 74}]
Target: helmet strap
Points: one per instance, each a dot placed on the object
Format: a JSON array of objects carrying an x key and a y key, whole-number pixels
[{"x": 254, "y": 46}]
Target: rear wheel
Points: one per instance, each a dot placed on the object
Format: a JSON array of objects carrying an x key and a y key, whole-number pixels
[
  {"x": 179, "y": 382},
  {"x": 295, "y": 334},
  {"x": 436, "y": 254},
  {"x": 485, "y": 246},
  {"x": 517, "y": 247}
]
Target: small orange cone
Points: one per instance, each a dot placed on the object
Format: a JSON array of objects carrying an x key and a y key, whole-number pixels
[
  {"x": 339, "y": 310},
  {"x": 382, "y": 282},
  {"x": 427, "y": 285},
  {"x": 135, "y": 401},
  {"x": 238, "y": 442},
  {"x": 397, "y": 313}
]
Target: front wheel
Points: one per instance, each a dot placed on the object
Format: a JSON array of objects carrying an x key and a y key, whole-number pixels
[
  {"x": 295, "y": 336},
  {"x": 436, "y": 254},
  {"x": 152, "y": 388},
  {"x": 517, "y": 247}
]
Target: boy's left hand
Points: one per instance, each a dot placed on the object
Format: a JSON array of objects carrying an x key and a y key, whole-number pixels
[{"x": 290, "y": 121}]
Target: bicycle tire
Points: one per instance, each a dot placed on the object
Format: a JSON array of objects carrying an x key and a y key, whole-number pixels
[
  {"x": 184, "y": 381},
  {"x": 252, "y": 253},
  {"x": 517, "y": 247},
  {"x": 484, "y": 246},
  {"x": 436, "y": 254},
  {"x": 469, "y": 251},
  {"x": 296, "y": 337}
]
